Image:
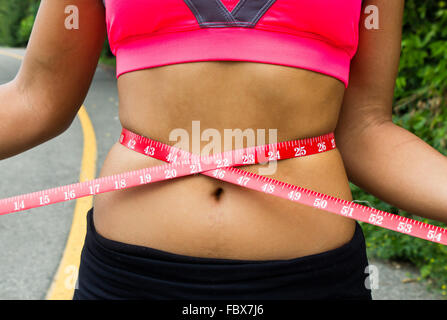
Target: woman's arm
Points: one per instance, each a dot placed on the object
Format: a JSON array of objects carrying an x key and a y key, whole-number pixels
[
  {"x": 45, "y": 96},
  {"x": 381, "y": 157}
]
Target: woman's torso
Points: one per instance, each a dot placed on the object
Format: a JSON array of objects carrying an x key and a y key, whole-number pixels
[{"x": 185, "y": 215}]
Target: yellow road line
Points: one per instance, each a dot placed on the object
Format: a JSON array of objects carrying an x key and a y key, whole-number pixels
[
  {"x": 11, "y": 55},
  {"x": 65, "y": 278},
  {"x": 63, "y": 284}
]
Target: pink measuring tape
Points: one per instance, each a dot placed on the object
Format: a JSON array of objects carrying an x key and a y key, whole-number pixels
[{"x": 222, "y": 167}]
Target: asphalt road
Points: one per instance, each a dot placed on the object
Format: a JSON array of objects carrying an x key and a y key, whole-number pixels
[{"x": 32, "y": 241}]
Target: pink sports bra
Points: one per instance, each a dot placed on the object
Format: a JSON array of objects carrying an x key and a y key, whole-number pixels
[{"x": 317, "y": 35}]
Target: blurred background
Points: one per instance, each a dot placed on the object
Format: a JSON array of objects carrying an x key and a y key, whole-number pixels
[{"x": 420, "y": 106}]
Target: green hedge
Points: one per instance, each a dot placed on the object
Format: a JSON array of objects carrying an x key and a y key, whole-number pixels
[
  {"x": 16, "y": 19},
  {"x": 420, "y": 107}
]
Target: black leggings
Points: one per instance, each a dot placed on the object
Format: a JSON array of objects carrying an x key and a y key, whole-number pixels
[{"x": 115, "y": 270}]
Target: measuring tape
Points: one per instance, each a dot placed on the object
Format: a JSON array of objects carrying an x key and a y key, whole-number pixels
[{"x": 223, "y": 167}]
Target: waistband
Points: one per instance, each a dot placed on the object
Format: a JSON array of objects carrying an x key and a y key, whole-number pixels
[
  {"x": 115, "y": 270},
  {"x": 318, "y": 260}
]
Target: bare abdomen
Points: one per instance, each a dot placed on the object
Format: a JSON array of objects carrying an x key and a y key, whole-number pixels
[{"x": 204, "y": 217}]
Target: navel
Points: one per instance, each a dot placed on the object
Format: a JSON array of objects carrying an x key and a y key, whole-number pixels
[{"x": 217, "y": 194}]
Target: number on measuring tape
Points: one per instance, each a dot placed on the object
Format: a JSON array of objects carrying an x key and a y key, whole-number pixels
[
  {"x": 195, "y": 168},
  {"x": 375, "y": 219},
  {"x": 94, "y": 189},
  {"x": 294, "y": 195},
  {"x": 347, "y": 211},
  {"x": 170, "y": 173},
  {"x": 44, "y": 199},
  {"x": 321, "y": 146},
  {"x": 300, "y": 151},
  {"x": 220, "y": 163},
  {"x": 68, "y": 195},
  {"x": 404, "y": 227},
  {"x": 19, "y": 205},
  {"x": 274, "y": 155},
  {"x": 333, "y": 143},
  {"x": 120, "y": 184},
  {"x": 150, "y": 151},
  {"x": 131, "y": 144},
  {"x": 145, "y": 178},
  {"x": 171, "y": 157},
  {"x": 432, "y": 235},
  {"x": 320, "y": 203},
  {"x": 268, "y": 188},
  {"x": 243, "y": 180},
  {"x": 219, "y": 173},
  {"x": 248, "y": 159}
]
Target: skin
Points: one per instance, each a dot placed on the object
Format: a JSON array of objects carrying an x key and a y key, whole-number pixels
[{"x": 184, "y": 215}]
